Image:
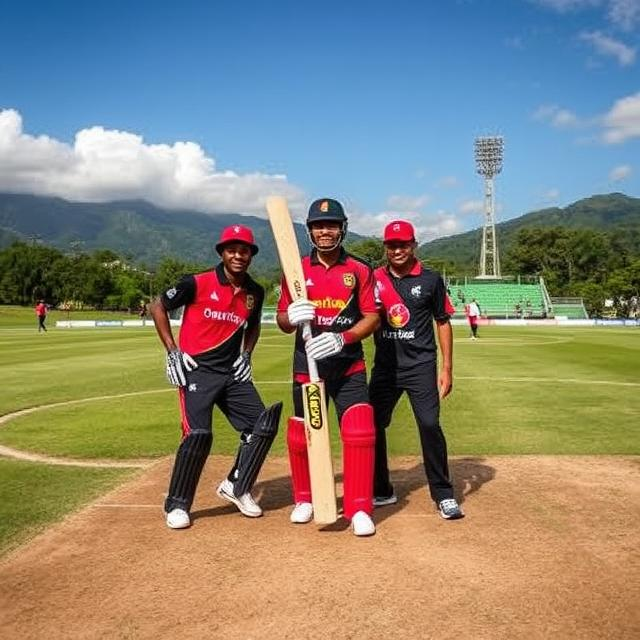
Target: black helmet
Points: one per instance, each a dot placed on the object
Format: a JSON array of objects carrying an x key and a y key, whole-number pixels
[{"x": 326, "y": 209}]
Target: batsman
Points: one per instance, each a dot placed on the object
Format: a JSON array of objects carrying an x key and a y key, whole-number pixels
[
  {"x": 341, "y": 307},
  {"x": 212, "y": 366}
]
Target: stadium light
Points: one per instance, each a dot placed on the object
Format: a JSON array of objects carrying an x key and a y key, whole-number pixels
[{"x": 488, "y": 154}]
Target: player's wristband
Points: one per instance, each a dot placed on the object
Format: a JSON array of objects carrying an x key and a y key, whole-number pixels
[{"x": 348, "y": 337}]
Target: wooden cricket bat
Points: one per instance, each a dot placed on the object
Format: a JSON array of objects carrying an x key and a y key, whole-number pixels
[{"x": 316, "y": 421}]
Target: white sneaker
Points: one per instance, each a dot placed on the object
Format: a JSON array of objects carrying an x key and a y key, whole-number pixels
[
  {"x": 302, "y": 513},
  {"x": 362, "y": 524},
  {"x": 245, "y": 502},
  {"x": 178, "y": 519}
]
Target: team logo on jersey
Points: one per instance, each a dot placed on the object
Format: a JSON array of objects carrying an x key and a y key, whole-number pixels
[
  {"x": 170, "y": 293},
  {"x": 416, "y": 291},
  {"x": 349, "y": 280},
  {"x": 398, "y": 315},
  {"x": 250, "y": 302},
  {"x": 214, "y": 296},
  {"x": 309, "y": 282}
]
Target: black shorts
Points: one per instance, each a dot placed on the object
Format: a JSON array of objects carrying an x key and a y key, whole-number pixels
[
  {"x": 344, "y": 391},
  {"x": 238, "y": 401}
]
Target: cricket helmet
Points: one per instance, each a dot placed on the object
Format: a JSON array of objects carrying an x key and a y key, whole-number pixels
[{"x": 327, "y": 209}]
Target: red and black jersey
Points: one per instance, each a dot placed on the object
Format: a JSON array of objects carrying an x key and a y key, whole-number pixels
[
  {"x": 408, "y": 306},
  {"x": 342, "y": 294},
  {"x": 215, "y": 315}
]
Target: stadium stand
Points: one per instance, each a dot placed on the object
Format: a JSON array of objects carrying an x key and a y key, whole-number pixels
[
  {"x": 501, "y": 299},
  {"x": 570, "y": 308}
]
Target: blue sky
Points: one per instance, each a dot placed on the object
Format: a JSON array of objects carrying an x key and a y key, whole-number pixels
[{"x": 215, "y": 105}]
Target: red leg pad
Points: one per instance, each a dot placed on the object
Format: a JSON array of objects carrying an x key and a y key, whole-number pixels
[
  {"x": 298, "y": 460},
  {"x": 358, "y": 434}
]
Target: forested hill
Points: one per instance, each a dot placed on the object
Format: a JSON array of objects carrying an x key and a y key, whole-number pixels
[
  {"x": 612, "y": 213},
  {"x": 145, "y": 233},
  {"x": 137, "y": 230}
]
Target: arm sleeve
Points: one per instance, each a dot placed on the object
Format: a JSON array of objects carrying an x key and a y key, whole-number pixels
[
  {"x": 256, "y": 313},
  {"x": 439, "y": 300},
  {"x": 183, "y": 293},
  {"x": 366, "y": 293},
  {"x": 285, "y": 299}
]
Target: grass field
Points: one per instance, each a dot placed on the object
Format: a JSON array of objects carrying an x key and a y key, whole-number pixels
[{"x": 101, "y": 393}]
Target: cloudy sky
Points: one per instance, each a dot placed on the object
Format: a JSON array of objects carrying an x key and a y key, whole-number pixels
[{"x": 214, "y": 105}]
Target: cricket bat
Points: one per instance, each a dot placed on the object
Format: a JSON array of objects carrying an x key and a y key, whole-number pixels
[{"x": 316, "y": 421}]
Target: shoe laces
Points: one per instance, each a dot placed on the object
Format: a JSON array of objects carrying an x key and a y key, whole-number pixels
[{"x": 448, "y": 504}]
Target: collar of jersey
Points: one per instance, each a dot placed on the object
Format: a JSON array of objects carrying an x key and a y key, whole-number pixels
[
  {"x": 223, "y": 280},
  {"x": 342, "y": 258},
  {"x": 416, "y": 270}
]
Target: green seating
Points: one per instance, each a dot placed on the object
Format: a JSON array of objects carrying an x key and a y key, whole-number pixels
[{"x": 500, "y": 299}]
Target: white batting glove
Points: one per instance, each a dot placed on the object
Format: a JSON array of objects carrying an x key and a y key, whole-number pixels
[
  {"x": 300, "y": 311},
  {"x": 177, "y": 364},
  {"x": 325, "y": 345},
  {"x": 242, "y": 367}
]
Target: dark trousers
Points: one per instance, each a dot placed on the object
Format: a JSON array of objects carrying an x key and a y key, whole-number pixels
[
  {"x": 41, "y": 326},
  {"x": 345, "y": 391},
  {"x": 421, "y": 384}
]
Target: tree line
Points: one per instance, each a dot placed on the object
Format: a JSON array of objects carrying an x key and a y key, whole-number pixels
[{"x": 593, "y": 265}]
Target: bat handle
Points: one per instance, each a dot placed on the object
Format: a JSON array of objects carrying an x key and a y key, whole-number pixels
[{"x": 311, "y": 363}]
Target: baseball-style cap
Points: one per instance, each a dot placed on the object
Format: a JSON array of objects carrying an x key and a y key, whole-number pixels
[
  {"x": 399, "y": 231},
  {"x": 326, "y": 209},
  {"x": 237, "y": 233}
]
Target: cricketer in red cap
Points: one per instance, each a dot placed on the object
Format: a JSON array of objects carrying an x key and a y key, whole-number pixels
[
  {"x": 399, "y": 231},
  {"x": 237, "y": 233}
]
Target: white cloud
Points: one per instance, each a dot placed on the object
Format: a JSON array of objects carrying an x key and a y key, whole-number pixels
[
  {"x": 556, "y": 116},
  {"x": 622, "y": 14},
  {"x": 427, "y": 226},
  {"x": 105, "y": 164},
  {"x": 471, "y": 207},
  {"x": 407, "y": 203},
  {"x": 551, "y": 195},
  {"x": 448, "y": 182},
  {"x": 620, "y": 173},
  {"x": 622, "y": 122},
  {"x": 607, "y": 46}
]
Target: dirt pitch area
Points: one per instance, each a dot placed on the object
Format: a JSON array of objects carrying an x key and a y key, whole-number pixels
[{"x": 549, "y": 549}]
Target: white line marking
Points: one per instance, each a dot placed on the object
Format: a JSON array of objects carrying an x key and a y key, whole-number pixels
[{"x": 127, "y": 506}]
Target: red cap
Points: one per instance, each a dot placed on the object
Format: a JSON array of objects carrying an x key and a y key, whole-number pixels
[
  {"x": 399, "y": 231},
  {"x": 237, "y": 233}
]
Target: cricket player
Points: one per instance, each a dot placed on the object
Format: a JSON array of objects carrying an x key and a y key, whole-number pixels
[
  {"x": 212, "y": 366},
  {"x": 410, "y": 299},
  {"x": 341, "y": 307}
]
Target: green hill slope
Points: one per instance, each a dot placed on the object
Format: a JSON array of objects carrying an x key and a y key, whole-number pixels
[{"x": 614, "y": 213}]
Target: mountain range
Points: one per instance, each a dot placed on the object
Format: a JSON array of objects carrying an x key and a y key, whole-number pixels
[{"x": 144, "y": 233}]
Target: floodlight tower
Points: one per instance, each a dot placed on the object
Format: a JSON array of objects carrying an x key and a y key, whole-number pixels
[{"x": 489, "y": 164}]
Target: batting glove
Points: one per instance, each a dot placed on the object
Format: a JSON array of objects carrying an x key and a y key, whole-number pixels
[
  {"x": 325, "y": 345},
  {"x": 177, "y": 364},
  {"x": 242, "y": 367},
  {"x": 301, "y": 310}
]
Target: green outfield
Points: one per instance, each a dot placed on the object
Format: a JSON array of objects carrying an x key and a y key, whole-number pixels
[{"x": 101, "y": 393}]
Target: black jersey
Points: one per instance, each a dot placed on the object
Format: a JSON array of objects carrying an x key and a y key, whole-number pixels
[{"x": 408, "y": 306}]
